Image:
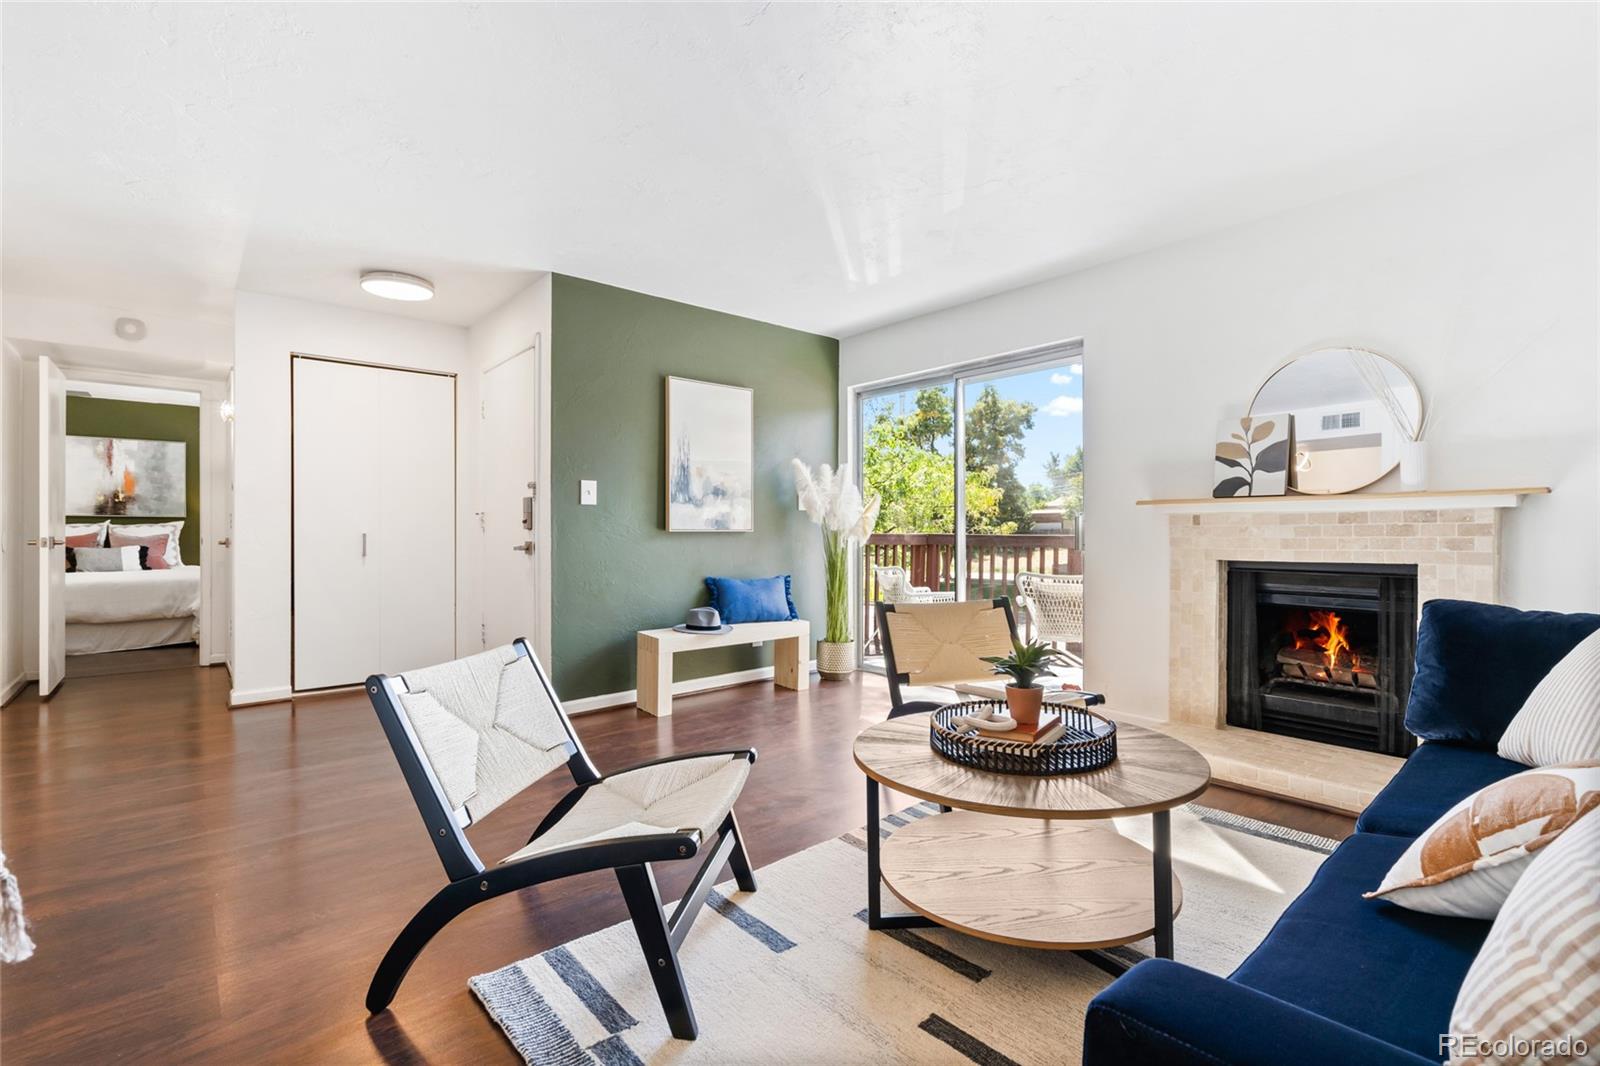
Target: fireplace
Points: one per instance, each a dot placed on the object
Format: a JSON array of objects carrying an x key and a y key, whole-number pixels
[{"x": 1322, "y": 651}]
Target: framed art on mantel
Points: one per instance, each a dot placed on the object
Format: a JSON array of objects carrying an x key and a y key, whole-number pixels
[
  {"x": 1252, "y": 457},
  {"x": 710, "y": 451}
]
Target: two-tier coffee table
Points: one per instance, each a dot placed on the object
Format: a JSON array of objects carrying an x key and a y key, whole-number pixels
[{"x": 1022, "y": 860}]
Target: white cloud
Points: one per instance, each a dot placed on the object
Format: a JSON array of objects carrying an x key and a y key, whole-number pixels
[
  {"x": 1062, "y": 406},
  {"x": 1064, "y": 377}
]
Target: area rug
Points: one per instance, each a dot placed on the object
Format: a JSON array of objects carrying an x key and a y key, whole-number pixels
[{"x": 791, "y": 974}]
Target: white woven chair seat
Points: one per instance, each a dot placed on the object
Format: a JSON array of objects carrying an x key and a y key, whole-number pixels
[{"x": 693, "y": 794}]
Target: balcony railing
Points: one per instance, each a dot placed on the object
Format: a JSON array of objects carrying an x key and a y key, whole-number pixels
[{"x": 993, "y": 562}]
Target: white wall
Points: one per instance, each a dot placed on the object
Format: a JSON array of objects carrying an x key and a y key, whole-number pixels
[
  {"x": 1480, "y": 279},
  {"x": 266, "y": 330},
  {"x": 502, "y": 333}
]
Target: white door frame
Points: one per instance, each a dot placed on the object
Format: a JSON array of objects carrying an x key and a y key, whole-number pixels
[{"x": 215, "y": 488}]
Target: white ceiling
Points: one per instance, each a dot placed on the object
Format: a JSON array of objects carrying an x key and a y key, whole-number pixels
[{"x": 829, "y": 167}]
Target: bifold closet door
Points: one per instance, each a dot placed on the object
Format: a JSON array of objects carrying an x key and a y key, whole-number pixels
[
  {"x": 416, "y": 543},
  {"x": 374, "y": 521},
  {"x": 336, "y": 452}
]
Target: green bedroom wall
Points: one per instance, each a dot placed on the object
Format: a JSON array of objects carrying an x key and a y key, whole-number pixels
[
  {"x": 616, "y": 569},
  {"x": 89, "y": 416}
]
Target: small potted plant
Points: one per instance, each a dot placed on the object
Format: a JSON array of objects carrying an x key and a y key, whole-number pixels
[
  {"x": 1026, "y": 662},
  {"x": 832, "y": 501}
]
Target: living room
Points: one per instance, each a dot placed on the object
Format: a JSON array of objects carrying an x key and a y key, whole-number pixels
[{"x": 1113, "y": 492}]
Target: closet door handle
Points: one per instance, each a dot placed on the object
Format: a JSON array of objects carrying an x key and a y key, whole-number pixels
[{"x": 363, "y": 545}]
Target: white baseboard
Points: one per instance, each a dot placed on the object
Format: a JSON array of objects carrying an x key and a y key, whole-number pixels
[
  {"x": 250, "y": 697},
  {"x": 12, "y": 687},
  {"x": 679, "y": 688}
]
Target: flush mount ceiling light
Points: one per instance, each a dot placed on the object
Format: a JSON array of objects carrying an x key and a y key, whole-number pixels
[
  {"x": 129, "y": 329},
  {"x": 393, "y": 285}
]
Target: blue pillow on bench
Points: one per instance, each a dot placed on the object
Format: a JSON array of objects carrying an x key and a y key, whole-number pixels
[
  {"x": 752, "y": 599},
  {"x": 1477, "y": 663}
]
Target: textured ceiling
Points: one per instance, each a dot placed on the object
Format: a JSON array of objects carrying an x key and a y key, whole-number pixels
[{"x": 826, "y": 167}]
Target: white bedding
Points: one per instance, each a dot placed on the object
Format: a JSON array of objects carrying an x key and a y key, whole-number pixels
[{"x": 133, "y": 596}]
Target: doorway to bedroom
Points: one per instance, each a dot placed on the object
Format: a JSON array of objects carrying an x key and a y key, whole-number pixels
[{"x": 133, "y": 488}]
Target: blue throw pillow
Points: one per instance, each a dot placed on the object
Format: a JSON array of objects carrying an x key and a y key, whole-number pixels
[
  {"x": 752, "y": 599},
  {"x": 1477, "y": 663}
]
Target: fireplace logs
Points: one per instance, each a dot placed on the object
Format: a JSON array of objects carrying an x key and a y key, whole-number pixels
[{"x": 1311, "y": 664}]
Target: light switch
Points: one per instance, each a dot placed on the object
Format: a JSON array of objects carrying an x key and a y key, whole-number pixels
[{"x": 588, "y": 493}]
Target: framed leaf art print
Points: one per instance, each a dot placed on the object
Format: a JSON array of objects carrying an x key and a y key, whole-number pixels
[{"x": 1252, "y": 457}]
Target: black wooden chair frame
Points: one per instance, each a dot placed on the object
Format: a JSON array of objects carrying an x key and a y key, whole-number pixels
[{"x": 471, "y": 882}]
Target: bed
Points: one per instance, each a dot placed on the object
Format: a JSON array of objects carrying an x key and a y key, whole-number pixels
[{"x": 132, "y": 609}]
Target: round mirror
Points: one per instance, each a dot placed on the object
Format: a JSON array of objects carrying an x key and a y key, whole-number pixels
[{"x": 1351, "y": 409}]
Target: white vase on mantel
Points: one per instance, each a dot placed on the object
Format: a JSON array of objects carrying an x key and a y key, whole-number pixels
[{"x": 1413, "y": 465}]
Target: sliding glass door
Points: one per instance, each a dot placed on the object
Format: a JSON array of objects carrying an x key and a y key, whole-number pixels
[{"x": 981, "y": 474}]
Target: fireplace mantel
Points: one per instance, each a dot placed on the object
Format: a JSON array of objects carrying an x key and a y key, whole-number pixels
[{"x": 1351, "y": 501}]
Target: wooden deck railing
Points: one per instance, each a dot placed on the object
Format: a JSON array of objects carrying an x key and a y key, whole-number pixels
[{"x": 993, "y": 562}]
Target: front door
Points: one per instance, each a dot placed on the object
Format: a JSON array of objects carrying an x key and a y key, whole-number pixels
[{"x": 508, "y": 494}]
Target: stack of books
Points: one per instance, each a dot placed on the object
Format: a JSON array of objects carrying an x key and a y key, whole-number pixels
[{"x": 1050, "y": 727}]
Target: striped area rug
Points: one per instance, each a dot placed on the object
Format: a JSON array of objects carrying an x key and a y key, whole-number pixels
[{"x": 791, "y": 974}]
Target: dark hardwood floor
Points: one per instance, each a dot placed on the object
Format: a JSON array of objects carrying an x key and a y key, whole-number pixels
[{"x": 216, "y": 886}]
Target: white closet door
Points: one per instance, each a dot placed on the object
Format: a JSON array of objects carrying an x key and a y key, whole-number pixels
[
  {"x": 415, "y": 543},
  {"x": 336, "y": 578}
]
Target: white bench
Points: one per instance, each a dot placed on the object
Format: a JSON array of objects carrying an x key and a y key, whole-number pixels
[{"x": 790, "y": 643}]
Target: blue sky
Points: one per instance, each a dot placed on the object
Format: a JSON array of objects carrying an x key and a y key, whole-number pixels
[{"x": 1057, "y": 424}]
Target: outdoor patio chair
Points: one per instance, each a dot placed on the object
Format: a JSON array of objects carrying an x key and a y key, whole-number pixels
[
  {"x": 894, "y": 586},
  {"x": 1055, "y": 602},
  {"x": 471, "y": 734},
  {"x": 941, "y": 644}
]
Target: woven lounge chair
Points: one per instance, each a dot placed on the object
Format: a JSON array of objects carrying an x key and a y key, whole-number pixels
[{"x": 471, "y": 734}]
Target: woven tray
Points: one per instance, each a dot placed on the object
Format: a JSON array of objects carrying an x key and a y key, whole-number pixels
[{"x": 1088, "y": 743}]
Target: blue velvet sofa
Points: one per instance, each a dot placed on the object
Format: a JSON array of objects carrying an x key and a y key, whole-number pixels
[{"x": 1341, "y": 979}]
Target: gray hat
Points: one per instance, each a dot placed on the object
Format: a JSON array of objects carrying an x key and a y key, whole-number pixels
[{"x": 702, "y": 620}]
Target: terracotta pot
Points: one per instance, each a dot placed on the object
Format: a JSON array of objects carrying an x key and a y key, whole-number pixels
[
  {"x": 1024, "y": 704},
  {"x": 836, "y": 661}
]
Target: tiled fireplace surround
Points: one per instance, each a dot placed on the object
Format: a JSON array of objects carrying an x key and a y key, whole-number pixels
[{"x": 1456, "y": 552}]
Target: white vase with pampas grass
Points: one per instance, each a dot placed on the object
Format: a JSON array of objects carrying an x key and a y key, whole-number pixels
[{"x": 831, "y": 500}]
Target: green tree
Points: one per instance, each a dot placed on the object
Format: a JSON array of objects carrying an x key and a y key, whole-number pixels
[
  {"x": 916, "y": 482},
  {"x": 996, "y": 429},
  {"x": 1065, "y": 482},
  {"x": 932, "y": 422}
]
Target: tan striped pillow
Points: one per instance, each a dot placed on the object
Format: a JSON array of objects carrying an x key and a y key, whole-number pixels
[
  {"x": 1537, "y": 975},
  {"x": 1560, "y": 720}
]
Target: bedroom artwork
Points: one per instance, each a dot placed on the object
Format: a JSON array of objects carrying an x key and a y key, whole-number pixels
[
  {"x": 1252, "y": 457},
  {"x": 710, "y": 457},
  {"x": 115, "y": 476}
]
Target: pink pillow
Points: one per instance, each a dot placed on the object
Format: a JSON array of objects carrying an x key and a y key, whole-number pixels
[
  {"x": 84, "y": 540},
  {"x": 155, "y": 558}
]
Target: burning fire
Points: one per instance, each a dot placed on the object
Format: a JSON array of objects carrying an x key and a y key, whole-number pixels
[{"x": 1329, "y": 635}]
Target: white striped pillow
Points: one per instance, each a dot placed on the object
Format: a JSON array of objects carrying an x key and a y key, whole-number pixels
[
  {"x": 1537, "y": 975},
  {"x": 1560, "y": 720}
]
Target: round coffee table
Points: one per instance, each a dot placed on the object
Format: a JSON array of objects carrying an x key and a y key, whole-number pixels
[{"x": 1020, "y": 860}]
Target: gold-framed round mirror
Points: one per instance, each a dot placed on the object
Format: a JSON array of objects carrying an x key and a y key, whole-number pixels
[{"x": 1351, "y": 410}]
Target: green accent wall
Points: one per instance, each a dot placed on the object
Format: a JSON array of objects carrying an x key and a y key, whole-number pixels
[
  {"x": 616, "y": 569},
  {"x": 89, "y": 416}
]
